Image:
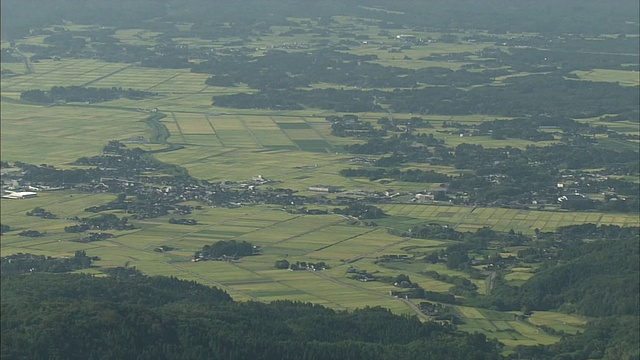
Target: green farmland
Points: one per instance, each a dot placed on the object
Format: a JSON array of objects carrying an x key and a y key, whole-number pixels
[
  {"x": 326, "y": 238},
  {"x": 295, "y": 150}
]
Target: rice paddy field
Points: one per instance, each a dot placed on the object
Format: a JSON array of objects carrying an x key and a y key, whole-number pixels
[
  {"x": 622, "y": 77},
  {"x": 295, "y": 149},
  {"x": 328, "y": 238},
  {"x": 469, "y": 219}
]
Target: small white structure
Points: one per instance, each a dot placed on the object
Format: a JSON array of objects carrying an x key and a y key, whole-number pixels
[
  {"x": 424, "y": 197},
  {"x": 19, "y": 195}
]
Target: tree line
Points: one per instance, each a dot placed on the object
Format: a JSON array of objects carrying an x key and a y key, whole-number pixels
[
  {"x": 82, "y": 94},
  {"x": 520, "y": 96}
]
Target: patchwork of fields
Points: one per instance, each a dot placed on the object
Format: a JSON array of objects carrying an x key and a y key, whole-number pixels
[
  {"x": 328, "y": 238},
  {"x": 295, "y": 149}
]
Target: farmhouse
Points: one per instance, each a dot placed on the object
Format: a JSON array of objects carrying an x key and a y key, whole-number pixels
[
  {"x": 572, "y": 197},
  {"x": 423, "y": 197},
  {"x": 19, "y": 195},
  {"x": 574, "y": 201},
  {"x": 366, "y": 278},
  {"x": 322, "y": 188}
]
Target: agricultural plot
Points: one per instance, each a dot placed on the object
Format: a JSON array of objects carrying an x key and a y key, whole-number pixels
[
  {"x": 561, "y": 322},
  {"x": 518, "y": 277},
  {"x": 193, "y": 124},
  {"x": 232, "y": 132},
  {"x": 16, "y": 68},
  {"x": 239, "y": 164},
  {"x": 191, "y": 129},
  {"x": 67, "y": 72},
  {"x": 142, "y": 78},
  {"x": 487, "y": 142},
  {"x": 61, "y": 203},
  {"x": 622, "y": 77},
  {"x": 468, "y": 218},
  {"x": 352, "y": 242},
  {"x": 503, "y": 326},
  {"x": 62, "y": 134},
  {"x": 280, "y": 235},
  {"x": 267, "y": 133},
  {"x": 627, "y": 127}
]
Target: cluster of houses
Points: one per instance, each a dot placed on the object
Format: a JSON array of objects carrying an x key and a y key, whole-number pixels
[
  {"x": 91, "y": 237},
  {"x": 361, "y": 275},
  {"x": 300, "y": 265},
  {"x": 323, "y": 188},
  {"x": 303, "y": 265},
  {"x": 361, "y": 160},
  {"x": 122, "y": 173},
  {"x": 163, "y": 248},
  {"x": 395, "y": 257},
  {"x": 201, "y": 257},
  {"x": 13, "y": 188},
  {"x": 431, "y": 195}
]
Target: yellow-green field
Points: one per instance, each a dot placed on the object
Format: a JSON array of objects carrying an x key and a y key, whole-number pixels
[
  {"x": 61, "y": 134},
  {"x": 499, "y": 219},
  {"x": 622, "y": 77}
]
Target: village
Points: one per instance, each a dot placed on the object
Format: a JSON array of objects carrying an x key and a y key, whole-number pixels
[{"x": 120, "y": 170}]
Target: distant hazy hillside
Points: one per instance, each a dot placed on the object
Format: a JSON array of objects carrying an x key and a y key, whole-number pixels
[{"x": 572, "y": 16}]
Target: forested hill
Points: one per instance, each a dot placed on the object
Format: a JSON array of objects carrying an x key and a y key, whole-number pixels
[
  {"x": 598, "y": 278},
  {"x": 601, "y": 278},
  {"x": 127, "y": 315},
  {"x": 543, "y": 16}
]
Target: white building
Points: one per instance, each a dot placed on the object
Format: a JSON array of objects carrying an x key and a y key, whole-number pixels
[{"x": 19, "y": 195}]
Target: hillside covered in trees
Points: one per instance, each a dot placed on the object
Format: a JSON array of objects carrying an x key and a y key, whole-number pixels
[{"x": 127, "y": 315}]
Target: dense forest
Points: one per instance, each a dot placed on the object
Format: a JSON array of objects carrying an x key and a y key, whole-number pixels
[
  {"x": 129, "y": 315},
  {"x": 601, "y": 278},
  {"x": 554, "y": 95},
  {"x": 584, "y": 269},
  {"x": 610, "y": 338}
]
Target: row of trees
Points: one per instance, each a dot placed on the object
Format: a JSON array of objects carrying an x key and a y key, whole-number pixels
[
  {"x": 361, "y": 211},
  {"x": 415, "y": 175},
  {"x": 29, "y": 263},
  {"x": 40, "y": 212},
  {"x": 225, "y": 248},
  {"x": 82, "y": 94},
  {"x": 4, "y": 228}
]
